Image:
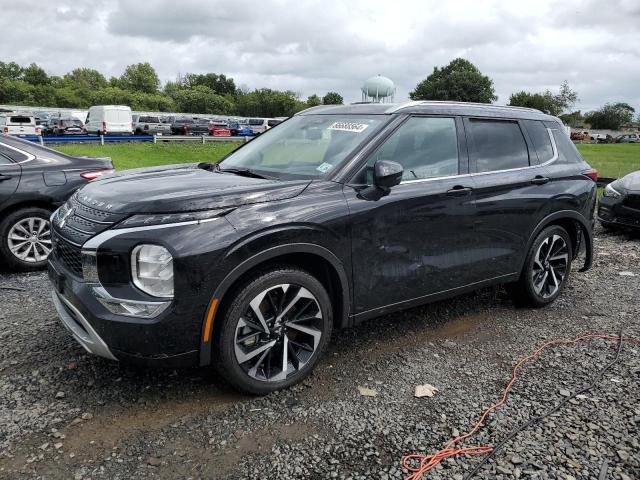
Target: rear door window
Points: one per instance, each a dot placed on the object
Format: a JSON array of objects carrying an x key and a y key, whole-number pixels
[
  {"x": 497, "y": 145},
  {"x": 539, "y": 135}
]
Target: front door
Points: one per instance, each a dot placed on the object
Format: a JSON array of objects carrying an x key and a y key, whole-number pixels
[{"x": 413, "y": 242}]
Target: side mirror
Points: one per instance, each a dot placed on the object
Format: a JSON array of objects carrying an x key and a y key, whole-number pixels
[{"x": 387, "y": 174}]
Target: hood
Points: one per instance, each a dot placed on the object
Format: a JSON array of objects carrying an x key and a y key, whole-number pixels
[
  {"x": 630, "y": 182},
  {"x": 174, "y": 189}
]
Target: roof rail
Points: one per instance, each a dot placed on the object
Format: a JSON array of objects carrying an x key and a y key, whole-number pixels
[{"x": 395, "y": 108}]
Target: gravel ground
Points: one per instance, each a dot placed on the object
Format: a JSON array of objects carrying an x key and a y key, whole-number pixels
[{"x": 64, "y": 414}]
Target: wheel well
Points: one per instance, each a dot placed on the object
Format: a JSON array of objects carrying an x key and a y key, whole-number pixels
[
  {"x": 574, "y": 230},
  {"x": 314, "y": 264},
  {"x": 28, "y": 204}
]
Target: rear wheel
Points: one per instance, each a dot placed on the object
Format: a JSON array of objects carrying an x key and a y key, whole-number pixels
[
  {"x": 25, "y": 238},
  {"x": 274, "y": 331},
  {"x": 546, "y": 269}
]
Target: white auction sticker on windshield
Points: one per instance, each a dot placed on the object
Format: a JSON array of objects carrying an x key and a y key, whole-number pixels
[
  {"x": 324, "y": 167},
  {"x": 348, "y": 127}
]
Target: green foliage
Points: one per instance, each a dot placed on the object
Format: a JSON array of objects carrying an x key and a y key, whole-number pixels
[
  {"x": 547, "y": 102},
  {"x": 35, "y": 75},
  {"x": 573, "y": 119},
  {"x": 85, "y": 79},
  {"x": 460, "y": 81},
  {"x": 10, "y": 71},
  {"x": 140, "y": 77},
  {"x": 201, "y": 99},
  {"x": 611, "y": 116},
  {"x": 332, "y": 98},
  {"x": 219, "y": 84},
  {"x": 265, "y": 102},
  {"x": 314, "y": 100}
]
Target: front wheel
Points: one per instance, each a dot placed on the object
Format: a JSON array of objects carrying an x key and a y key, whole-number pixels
[
  {"x": 25, "y": 238},
  {"x": 274, "y": 331},
  {"x": 546, "y": 269}
]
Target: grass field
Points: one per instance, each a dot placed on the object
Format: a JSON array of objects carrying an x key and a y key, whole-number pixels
[
  {"x": 615, "y": 160},
  {"x": 612, "y": 160},
  {"x": 134, "y": 155}
]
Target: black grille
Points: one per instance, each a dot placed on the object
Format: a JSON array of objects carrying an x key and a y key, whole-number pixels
[
  {"x": 67, "y": 254},
  {"x": 632, "y": 201},
  {"x": 73, "y": 225}
]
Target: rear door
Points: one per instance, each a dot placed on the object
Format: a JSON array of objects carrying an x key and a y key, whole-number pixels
[
  {"x": 509, "y": 193},
  {"x": 10, "y": 172}
]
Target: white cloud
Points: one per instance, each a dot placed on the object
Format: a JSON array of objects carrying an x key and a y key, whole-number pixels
[{"x": 316, "y": 46}]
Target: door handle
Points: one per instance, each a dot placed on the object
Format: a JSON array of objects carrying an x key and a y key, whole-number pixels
[
  {"x": 4, "y": 177},
  {"x": 459, "y": 191},
  {"x": 540, "y": 180}
]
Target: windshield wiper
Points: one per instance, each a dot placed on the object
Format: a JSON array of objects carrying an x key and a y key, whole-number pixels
[{"x": 244, "y": 172}]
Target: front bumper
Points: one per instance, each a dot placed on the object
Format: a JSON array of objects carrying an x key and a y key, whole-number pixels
[{"x": 614, "y": 212}]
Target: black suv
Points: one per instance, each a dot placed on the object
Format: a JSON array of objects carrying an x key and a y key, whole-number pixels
[
  {"x": 339, "y": 214},
  {"x": 34, "y": 181}
]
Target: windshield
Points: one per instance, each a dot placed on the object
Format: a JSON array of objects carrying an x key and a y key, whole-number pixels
[{"x": 306, "y": 146}]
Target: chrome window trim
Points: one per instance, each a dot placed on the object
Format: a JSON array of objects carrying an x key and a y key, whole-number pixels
[
  {"x": 464, "y": 175},
  {"x": 29, "y": 155}
]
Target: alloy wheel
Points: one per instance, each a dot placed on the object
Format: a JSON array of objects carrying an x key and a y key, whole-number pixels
[
  {"x": 278, "y": 333},
  {"x": 30, "y": 239},
  {"x": 550, "y": 266}
]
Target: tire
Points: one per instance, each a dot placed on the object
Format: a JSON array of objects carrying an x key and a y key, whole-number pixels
[
  {"x": 21, "y": 249},
  {"x": 281, "y": 292},
  {"x": 546, "y": 269}
]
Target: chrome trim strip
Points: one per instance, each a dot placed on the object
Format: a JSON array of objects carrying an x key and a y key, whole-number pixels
[
  {"x": 88, "y": 338},
  {"x": 29, "y": 155},
  {"x": 444, "y": 103},
  {"x": 548, "y": 162},
  {"x": 95, "y": 242}
]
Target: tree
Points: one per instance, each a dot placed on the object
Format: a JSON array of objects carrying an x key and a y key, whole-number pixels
[
  {"x": 265, "y": 102},
  {"x": 85, "y": 79},
  {"x": 201, "y": 99},
  {"x": 219, "y": 84},
  {"x": 332, "y": 98},
  {"x": 460, "y": 81},
  {"x": 573, "y": 119},
  {"x": 35, "y": 75},
  {"x": 567, "y": 97},
  {"x": 314, "y": 100},
  {"x": 139, "y": 77},
  {"x": 10, "y": 71},
  {"x": 611, "y": 116},
  {"x": 547, "y": 102}
]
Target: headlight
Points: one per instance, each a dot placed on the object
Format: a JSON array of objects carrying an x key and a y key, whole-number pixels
[
  {"x": 152, "y": 270},
  {"x": 611, "y": 192}
]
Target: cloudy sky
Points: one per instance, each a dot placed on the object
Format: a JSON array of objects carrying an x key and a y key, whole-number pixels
[{"x": 319, "y": 46}]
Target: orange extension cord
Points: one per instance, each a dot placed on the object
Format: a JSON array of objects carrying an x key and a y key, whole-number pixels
[{"x": 428, "y": 462}]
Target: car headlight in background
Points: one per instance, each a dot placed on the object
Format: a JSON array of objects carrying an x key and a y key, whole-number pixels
[
  {"x": 611, "y": 192},
  {"x": 152, "y": 270}
]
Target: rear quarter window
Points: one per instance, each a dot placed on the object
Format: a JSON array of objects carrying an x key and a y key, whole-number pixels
[
  {"x": 539, "y": 136},
  {"x": 567, "y": 151},
  {"x": 497, "y": 145},
  {"x": 14, "y": 155}
]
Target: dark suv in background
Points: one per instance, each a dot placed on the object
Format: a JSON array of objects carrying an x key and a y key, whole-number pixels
[
  {"x": 340, "y": 214},
  {"x": 34, "y": 181}
]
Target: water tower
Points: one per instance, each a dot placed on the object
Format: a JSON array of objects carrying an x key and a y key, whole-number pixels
[{"x": 378, "y": 89}]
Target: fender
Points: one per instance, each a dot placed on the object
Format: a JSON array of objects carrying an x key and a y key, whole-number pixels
[
  {"x": 585, "y": 227},
  {"x": 236, "y": 273}
]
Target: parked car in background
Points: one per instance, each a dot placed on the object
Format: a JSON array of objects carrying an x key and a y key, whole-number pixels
[
  {"x": 628, "y": 138},
  {"x": 149, "y": 125},
  {"x": 182, "y": 126},
  {"x": 34, "y": 181},
  {"x": 240, "y": 130},
  {"x": 620, "y": 203},
  {"x": 219, "y": 128},
  {"x": 200, "y": 126},
  {"x": 109, "y": 120},
  {"x": 19, "y": 125},
  {"x": 272, "y": 122},
  {"x": 258, "y": 125},
  {"x": 64, "y": 126},
  {"x": 581, "y": 136},
  {"x": 339, "y": 215}
]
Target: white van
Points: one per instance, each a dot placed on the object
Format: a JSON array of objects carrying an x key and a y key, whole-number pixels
[
  {"x": 19, "y": 125},
  {"x": 109, "y": 119}
]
